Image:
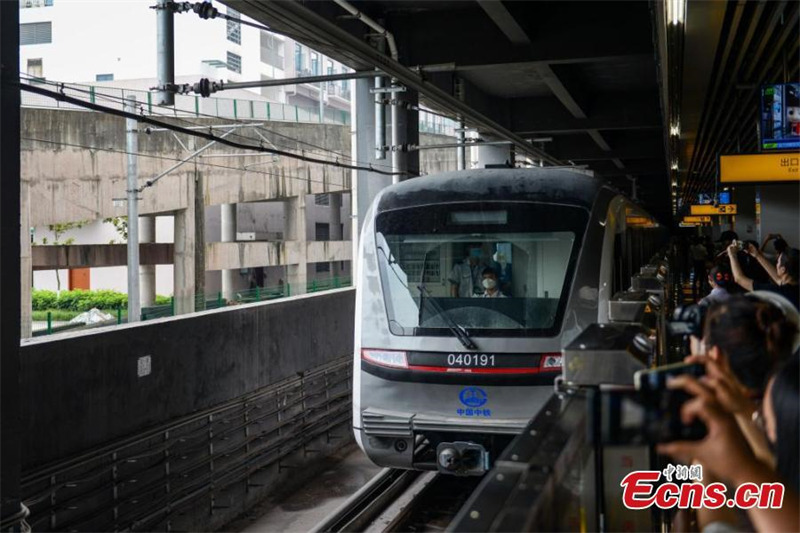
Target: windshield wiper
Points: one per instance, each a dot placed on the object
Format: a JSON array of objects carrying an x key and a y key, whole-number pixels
[{"x": 457, "y": 329}]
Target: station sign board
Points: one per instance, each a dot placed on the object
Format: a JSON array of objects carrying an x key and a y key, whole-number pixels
[
  {"x": 721, "y": 209},
  {"x": 703, "y": 219},
  {"x": 759, "y": 168}
]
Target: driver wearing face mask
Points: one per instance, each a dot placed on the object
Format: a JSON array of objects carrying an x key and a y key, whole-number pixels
[{"x": 490, "y": 286}]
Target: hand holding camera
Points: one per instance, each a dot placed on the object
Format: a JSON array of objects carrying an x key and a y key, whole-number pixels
[
  {"x": 723, "y": 445},
  {"x": 728, "y": 391}
]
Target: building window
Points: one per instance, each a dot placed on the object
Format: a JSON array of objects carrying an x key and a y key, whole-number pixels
[
  {"x": 331, "y": 72},
  {"x": 322, "y": 199},
  {"x": 314, "y": 64},
  {"x": 298, "y": 58},
  {"x": 234, "y": 26},
  {"x": 322, "y": 267},
  {"x": 234, "y": 62},
  {"x": 271, "y": 51},
  {"x": 35, "y": 69},
  {"x": 322, "y": 231},
  {"x": 104, "y": 77},
  {"x": 36, "y": 33},
  {"x": 35, "y": 3}
]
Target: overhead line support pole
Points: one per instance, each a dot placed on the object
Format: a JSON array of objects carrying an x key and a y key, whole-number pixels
[
  {"x": 132, "y": 138},
  {"x": 165, "y": 44}
]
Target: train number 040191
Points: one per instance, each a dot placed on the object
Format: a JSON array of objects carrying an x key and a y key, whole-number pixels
[{"x": 470, "y": 359}]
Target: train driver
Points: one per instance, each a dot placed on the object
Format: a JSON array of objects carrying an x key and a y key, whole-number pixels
[
  {"x": 491, "y": 288},
  {"x": 465, "y": 277}
]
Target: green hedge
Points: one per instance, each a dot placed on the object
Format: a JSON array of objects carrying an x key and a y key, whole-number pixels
[{"x": 80, "y": 300}]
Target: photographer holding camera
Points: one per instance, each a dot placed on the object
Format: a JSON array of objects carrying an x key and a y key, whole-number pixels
[
  {"x": 744, "y": 339},
  {"x": 724, "y": 452},
  {"x": 785, "y": 276}
]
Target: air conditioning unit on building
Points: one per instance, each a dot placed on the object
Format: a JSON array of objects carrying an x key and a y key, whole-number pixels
[{"x": 245, "y": 235}]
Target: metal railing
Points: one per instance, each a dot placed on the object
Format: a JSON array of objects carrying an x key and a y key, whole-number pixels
[
  {"x": 202, "y": 302},
  {"x": 230, "y": 108},
  {"x": 185, "y": 105},
  {"x": 256, "y": 294}
]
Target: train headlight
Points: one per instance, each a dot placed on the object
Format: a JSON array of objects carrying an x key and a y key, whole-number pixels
[
  {"x": 551, "y": 361},
  {"x": 385, "y": 358}
]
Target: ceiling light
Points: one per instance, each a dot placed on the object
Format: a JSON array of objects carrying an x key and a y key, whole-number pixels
[
  {"x": 676, "y": 11},
  {"x": 674, "y": 165},
  {"x": 675, "y": 129}
]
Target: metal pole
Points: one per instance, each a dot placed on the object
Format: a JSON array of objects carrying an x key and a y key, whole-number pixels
[
  {"x": 461, "y": 149},
  {"x": 165, "y": 46},
  {"x": 132, "y": 137},
  {"x": 380, "y": 121},
  {"x": 183, "y": 161},
  {"x": 321, "y": 103},
  {"x": 398, "y": 158}
]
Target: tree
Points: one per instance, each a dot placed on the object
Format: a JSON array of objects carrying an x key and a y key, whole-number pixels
[
  {"x": 121, "y": 225},
  {"x": 58, "y": 231}
]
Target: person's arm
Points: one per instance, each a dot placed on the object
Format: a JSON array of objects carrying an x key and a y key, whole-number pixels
[
  {"x": 454, "y": 281},
  {"x": 738, "y": 275},
  {"x": 764, "y": 244},
  {"x": 725, "y": 454},
  {"x": 787, "y": 518},
  {"x": 765, "y": 264}
]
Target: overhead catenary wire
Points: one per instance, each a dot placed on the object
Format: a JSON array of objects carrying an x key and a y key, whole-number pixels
[
  {"x": 176, "y": 159},
  {"x": 60, "y": 96},
  {"x": 169, "y": 112}
]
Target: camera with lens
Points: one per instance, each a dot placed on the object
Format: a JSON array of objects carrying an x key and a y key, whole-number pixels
[
  {"x": 686, "y": 322},
  {"x": 651, "y": 413}
]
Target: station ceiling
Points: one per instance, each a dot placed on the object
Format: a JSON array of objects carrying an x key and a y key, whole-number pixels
[{"x": 590, "y": 75}]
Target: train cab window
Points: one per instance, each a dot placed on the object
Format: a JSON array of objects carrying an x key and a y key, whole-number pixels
[{"x": 494, "y": 269}]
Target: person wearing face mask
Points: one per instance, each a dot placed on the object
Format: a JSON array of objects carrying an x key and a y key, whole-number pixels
[
  {"x": 490, "y": 285},
  {"x": 465, "y": 277}
]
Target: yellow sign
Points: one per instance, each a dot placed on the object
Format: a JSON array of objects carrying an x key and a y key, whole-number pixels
[
  {"x": 635, "y": 221},
  {"x": 709, "y": 209},
  {"x": 759, "y": 168},
  {"x": 697, "y": 219}
]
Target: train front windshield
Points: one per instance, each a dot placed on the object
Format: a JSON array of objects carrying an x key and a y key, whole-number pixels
[{"x": 494, "y": 269}]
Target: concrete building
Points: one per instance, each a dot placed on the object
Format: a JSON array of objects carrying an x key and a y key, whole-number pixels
[{"x": 264, "y": 221}]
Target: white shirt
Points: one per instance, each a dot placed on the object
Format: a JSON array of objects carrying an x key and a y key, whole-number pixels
[{"x": 487, "y": 294}]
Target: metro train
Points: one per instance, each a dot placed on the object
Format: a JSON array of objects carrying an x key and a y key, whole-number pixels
[{"x": 469, "y": 285}]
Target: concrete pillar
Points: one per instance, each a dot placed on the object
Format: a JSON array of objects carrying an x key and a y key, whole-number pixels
[
  {"x": 336, "y": 226},
  {"x": 228, "y": 234},
  {"x": 365, "y": 184},
  {"x": 147, "y": 273},
  {"x": 405, "y": 131},
  {"x": 184, "y": 261},
  {"x": 494, "y": 154},
  {"x": 296, "y": 234},
  {"x": 200, "y": 241},
  {"x": 25, "y": 262}
]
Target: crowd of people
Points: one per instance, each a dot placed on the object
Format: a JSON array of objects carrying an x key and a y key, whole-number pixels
[
  {"x": 736, "y": 267},
  {"x": 749, "y": 397}
]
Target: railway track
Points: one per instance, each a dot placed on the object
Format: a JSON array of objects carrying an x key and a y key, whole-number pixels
[{"x": 402, "y": 500}]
